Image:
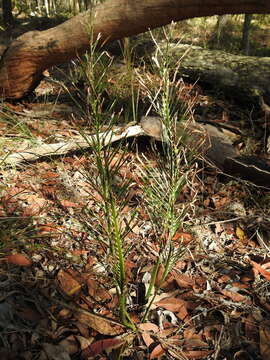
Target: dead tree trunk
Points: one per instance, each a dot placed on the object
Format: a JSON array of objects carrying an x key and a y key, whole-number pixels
[
  {"x": 29, "y": 55},
  {"x": 221, "y": 27},
  {"x": 245, "y": 45},
  {"x": 7, "y": 12}
]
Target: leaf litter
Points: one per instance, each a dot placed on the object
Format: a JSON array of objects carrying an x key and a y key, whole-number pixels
[{"x": 58, "y": 300}]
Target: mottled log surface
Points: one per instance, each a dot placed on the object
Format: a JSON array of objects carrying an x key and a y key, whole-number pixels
[
  {"x": 29, "y": 55},
  {"x": 237, "y": 75}
]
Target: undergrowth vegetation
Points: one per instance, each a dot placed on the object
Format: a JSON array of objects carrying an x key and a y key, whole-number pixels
[
  {"x": 160, "y": 186},
  {"x": 136, "y": 249}
]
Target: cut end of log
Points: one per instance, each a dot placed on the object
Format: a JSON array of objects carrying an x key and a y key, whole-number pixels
[{"x": 13, "y": 88}]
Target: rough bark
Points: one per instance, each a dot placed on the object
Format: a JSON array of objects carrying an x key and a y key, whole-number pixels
[
  {"x": 245, "y": 35},
  {"x": 29, "y": 55},
  {"x": 7, "y": 12},
  {"x": 235, "y": 74},
  {"x": 221, "y": 27}
]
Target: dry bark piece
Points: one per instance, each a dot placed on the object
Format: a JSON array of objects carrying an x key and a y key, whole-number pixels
[
  {"x": 19, "y": 259},
  {"x": 82, "y": 142},
  {"x": 205, "y": 139},
  {"x": 210, "y": 142},
  {"x": 249, "y": 168}
]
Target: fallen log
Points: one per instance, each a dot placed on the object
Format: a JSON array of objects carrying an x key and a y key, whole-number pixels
[
  {"x": 26, "y": 58},
  {"x": 237, "y": 75}
]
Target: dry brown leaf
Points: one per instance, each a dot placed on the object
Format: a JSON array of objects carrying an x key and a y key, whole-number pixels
[
  {"x": 50, "y": 182},
  {"x": 175, "y": 305},
  {"x": 97, "y": 291},
  {"x": 223, "y": 279},
  {"x": 251, "y": 328},
  {"x": 50, "y": 228},
  {"x": 206, "y": 202},
  {"x": 18, "y": 259},
  {"x": 195, "y": 342},
  {"x": 15, "y": 191},
  {"x": 183, "y": 280},
  {"x": 100, "y": 324},
  {"x": 65, "y": 313},
  {"x": 147, "y": 329},
  {"x": 265, "y": 340},
  {"x": 79, "y": 252},
  {"x": 193, "y": 354},
  {"x": 84, "y": 342},
  {"x": 67, "y": 283},
  {"x": 171, "y": 303},
  {"x": 182, "y": 314},
  {"x": 190, "y": 333},
  {"x": 240, "y": 285},
  {"x": 53, "y": 352},
  {"x": 200, "y": 283},
  {"x": 167, "y": 332},
  {"x": 183, "y": 238},
  {"x": 35, "y": 207},
  {"x": 84, "y": 329},
  {"x": 101, "y": 345},
  {"x": 164, "y": 295},
  {"x": 158, "y": 280},
  {"x": 50, "y": 174},
  {"x": 168, "y": 284},
  {"x": 70, "y": 344},
  {"x": 260, "y": 269},
  {"x": 234, "y": 296},
  {"x": 157, "y": 352},
  {"x": 34, "y": 198},
  {"x": 180, "y": 265},
  {"x": 266, "y": 265},
  {"x": 67, "y": 203},
  {"x": 135, "y": 317}
]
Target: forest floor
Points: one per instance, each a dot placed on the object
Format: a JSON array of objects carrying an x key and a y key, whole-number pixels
[{"x": 58, "y": 295}]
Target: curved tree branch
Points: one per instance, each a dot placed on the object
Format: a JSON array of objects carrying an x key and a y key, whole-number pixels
[{"x": 29, "y": 55}]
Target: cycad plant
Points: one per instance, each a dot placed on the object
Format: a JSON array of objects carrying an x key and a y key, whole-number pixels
[
  {"x": 106, "y": 222},
  {"x": 163, "y": 184},
  {"x": 113, "y": 200}
]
